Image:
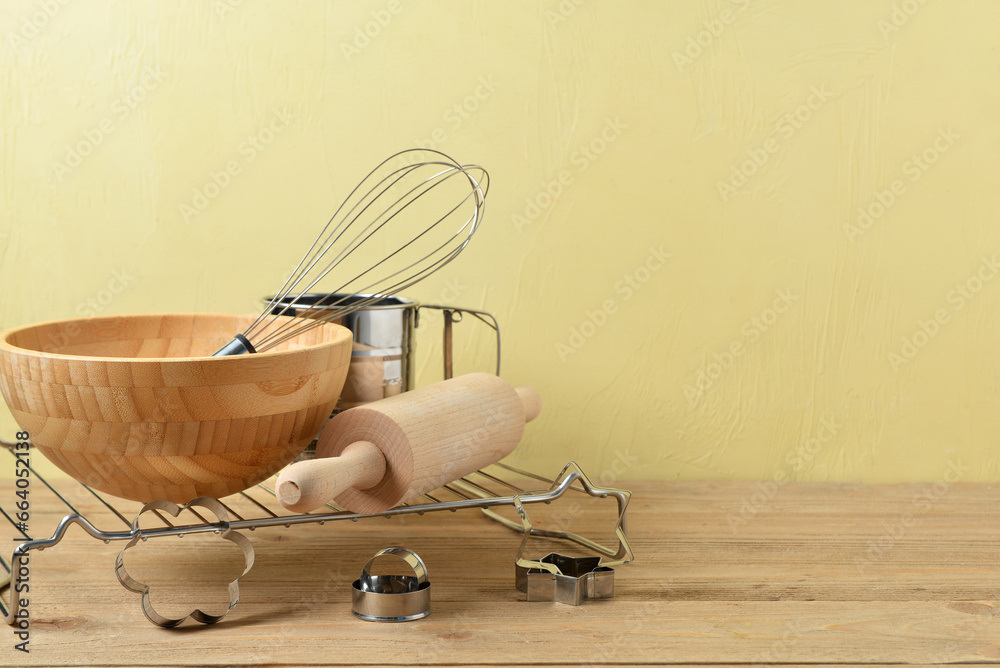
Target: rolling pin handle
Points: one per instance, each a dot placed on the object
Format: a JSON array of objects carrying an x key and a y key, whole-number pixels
[
  {"x": 531, "y": 400},
  {"x": 309, "y": 484}
]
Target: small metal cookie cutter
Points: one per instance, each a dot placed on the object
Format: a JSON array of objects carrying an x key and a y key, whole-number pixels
[
  {"x": 570, "y": 580},
  {"x": 223, "y": 530},
  {"x": 392, "y": 598}
]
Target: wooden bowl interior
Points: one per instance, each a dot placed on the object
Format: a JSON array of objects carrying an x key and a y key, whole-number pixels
[{"x": 147, "y": 337}]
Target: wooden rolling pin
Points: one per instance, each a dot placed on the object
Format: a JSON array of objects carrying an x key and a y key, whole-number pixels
[{"x": 373, "y": 457}]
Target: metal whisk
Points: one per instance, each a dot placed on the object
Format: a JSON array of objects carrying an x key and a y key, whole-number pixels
[{"x": 416, "y": 211}]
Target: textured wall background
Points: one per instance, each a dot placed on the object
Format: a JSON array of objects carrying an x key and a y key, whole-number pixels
[{"x": 726, "y": 239}]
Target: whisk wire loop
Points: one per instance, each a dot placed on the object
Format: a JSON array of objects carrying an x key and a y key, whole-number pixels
[{"x": 372, "y": 212}]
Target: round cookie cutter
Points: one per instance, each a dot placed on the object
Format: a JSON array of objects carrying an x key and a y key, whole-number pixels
[{"x": 392, "y": 598}]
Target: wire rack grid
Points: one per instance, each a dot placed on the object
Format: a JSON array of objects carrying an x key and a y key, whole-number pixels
[{"x": 488, "y": 489}]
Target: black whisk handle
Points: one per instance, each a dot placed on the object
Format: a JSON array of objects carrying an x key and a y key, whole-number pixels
[{"x": 238, "y": 346}]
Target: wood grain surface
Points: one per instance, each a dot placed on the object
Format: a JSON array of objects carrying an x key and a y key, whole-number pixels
[
  {"x": 818, "y": 575},
  {"x": 136, "y": 407}
]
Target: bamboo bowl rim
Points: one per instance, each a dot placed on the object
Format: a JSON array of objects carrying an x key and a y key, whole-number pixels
[{"x": 5, "y": 344}]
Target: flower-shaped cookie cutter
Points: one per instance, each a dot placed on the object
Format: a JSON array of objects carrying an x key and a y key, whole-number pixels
[
  {"x": 571, "y": 580},
  {"x": 222, "y": 527}
]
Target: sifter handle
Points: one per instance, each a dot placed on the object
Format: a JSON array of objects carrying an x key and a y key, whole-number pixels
[{"x": 309, "y": 484}]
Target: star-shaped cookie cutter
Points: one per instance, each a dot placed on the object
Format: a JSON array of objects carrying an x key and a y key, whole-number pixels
[
  {"x": 579, "y": 579},
  {"x": 222, "y": 527},
  {"x": 545, "y": 578}
]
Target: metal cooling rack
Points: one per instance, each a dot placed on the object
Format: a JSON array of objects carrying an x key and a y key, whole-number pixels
[{"x": 487, "y": 489}]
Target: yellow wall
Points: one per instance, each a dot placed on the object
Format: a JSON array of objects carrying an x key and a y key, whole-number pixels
[{"x": 732, "y": 318}]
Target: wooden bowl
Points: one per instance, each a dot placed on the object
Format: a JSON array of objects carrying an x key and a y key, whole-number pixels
[{"x": 135, "y": 406}]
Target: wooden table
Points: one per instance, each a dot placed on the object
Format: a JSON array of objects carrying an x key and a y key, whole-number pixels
[{"x": 725, "y": 573}]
